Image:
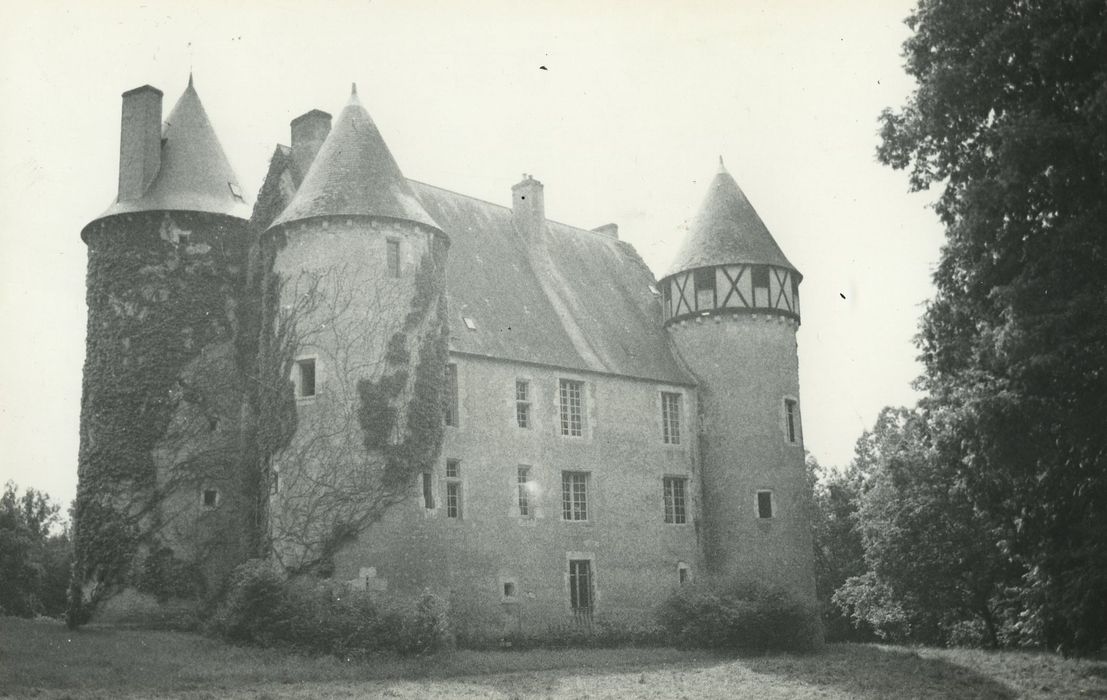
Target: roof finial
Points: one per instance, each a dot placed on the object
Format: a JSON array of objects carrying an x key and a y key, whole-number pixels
[
  {"x": 353, "y": 89},
  {"x": 722, "y": 167},
  {"x": 190, "y": 76}
]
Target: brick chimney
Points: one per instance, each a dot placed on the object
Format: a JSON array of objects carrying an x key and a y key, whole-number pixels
[
  {"x": 610, "y": 230},
  {"x": 309, "y": 131},
  {"x": 139, "y": 142},
  {"x": 528, "y": 207}
]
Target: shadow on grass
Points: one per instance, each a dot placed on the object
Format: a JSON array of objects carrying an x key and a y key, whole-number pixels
[{"x": 98, "y": 660}]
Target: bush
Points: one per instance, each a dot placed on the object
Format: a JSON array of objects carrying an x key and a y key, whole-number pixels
[
  {"x": 743, "y": 619},
  {"x": 262, "y": 607}
]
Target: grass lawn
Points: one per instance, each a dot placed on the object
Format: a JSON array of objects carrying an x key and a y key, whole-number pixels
[{"x": 43, "y": 659}]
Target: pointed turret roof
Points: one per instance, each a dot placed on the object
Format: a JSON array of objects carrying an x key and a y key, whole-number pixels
[
  {"x": 194, "y": 174},
  {"x": 727, "y": 230},
  {"x": 354, "y": 174}
]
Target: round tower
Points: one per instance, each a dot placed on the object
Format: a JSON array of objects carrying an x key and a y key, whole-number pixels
[
  {"x": 358, "y": 266},
  {"x": 731, "y": 306},
  {"x": 160, "y": 405}
]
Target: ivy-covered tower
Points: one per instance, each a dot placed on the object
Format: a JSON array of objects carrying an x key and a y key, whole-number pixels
[
  {"x": 358, "y": 267},
  {"x": 158, "y": 450},
  {"x": 731, "y": 307}
]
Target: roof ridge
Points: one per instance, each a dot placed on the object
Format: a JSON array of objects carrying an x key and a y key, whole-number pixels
[{"x": 504, "y": 206}]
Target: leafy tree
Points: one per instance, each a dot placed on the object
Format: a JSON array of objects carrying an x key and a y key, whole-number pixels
[
  {"x": 1010, "y": 119},
  {"x": 931, "y": 564},
  {"x": 839, "y": 554},
  {"x": 34, "y": 562}
]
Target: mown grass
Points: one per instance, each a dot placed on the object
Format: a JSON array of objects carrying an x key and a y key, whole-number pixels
[{"x": 43, "y": 659}]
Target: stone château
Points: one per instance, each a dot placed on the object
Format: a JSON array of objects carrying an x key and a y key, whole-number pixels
[{"x": 405, "y": 388}]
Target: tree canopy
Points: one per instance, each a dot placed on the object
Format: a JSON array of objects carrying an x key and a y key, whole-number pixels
[{"x": 1009, "y": 119}]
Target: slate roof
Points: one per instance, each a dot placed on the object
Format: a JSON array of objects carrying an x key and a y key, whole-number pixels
[
  {"x": 354, "y": 174},
  {"x": 573, "y": 298},
  {"x": 194, "y": 174},
  {"x": 727, "y": 229}
]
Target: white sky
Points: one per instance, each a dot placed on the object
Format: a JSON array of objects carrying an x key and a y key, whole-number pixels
[{"x": 626, "y": 125}]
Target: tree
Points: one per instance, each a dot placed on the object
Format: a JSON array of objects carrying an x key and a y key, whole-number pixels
[
  {"x": 932, "y": 567},
  {"x": 34, "y": 560},
  {"x": 1010, "y": 120}
]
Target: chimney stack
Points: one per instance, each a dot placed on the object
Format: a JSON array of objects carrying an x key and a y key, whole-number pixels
[
  {"x": 528, "y": 207},
  {"x": 309, "y": 131},
  {"x": 139, "y": 142},
  {"x": 611, "y": 230}
]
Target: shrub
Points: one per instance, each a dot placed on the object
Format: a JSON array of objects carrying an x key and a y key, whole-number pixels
[
  {"x": 263, "y": 607},
  {"x": 744, "y": 619}
]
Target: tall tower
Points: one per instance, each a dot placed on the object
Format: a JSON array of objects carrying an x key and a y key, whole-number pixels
[
  {"x": 359, "y": 269},
  {"x": 731, "y": 306},
  {"x": 160, "y": 404}
]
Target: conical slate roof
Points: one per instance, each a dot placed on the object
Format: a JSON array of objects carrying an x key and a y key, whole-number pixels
[
  {"x": 727, "y": 230},
  {"x": 194, "y": 174},
  {"x": 354, "y": 174}
]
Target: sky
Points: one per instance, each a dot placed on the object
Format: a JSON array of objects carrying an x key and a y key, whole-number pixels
[{"x": 626, "y": 123}]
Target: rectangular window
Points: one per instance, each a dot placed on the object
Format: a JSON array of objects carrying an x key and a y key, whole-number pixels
[
  {"x": 670, "y": 418},
  {"x": 580, "y": 585},
  {"x": 453, "y": 499},
  {"x": 210, "y": 498},
  {"x": 451, "y": 395},
  {"x": 684, "y": 574},
  {"x": 764, "y": 504},
  {"x": 574, "y": 495},
  {"x": 393, "y": 254},
  {"x": 790, "y": 419},
  {"x": 523, "y": 478},
  {"x": 305, "y": 377},
  {"x": 522, "y": 403},
  {"x": 572, "y": 408},
  {"x": 676, "y": 510},
  {"x": 428, "y": 490},
  {"x": 453, "y": 488}
]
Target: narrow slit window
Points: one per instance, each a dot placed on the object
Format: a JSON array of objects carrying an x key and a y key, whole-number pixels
[
  {"x": 790, "y": 419},
  {"x": 523, "y": 487},
  {"x": 451, "y": 396},
  {"x": 453, "y": 488},
  {"x": 428, "y": 490},
  {"x": 393, "y": 255},
  {"x": 522, "y": 403}
]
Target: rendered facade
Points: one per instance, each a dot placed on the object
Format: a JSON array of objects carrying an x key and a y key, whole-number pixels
[{"x": 596, "y": 436}]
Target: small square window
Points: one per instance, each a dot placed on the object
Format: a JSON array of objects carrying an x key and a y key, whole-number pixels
[
  {"x": 509, "y": 589},
  {"x": 305, "y": 378},
  {"x": 210, "y": 498},
  {"x": 236, "y": 191},
  {"x": 764, "y": 504},
  {"x": 453, "y": 468},
  {"x": 469, "y": 323}
]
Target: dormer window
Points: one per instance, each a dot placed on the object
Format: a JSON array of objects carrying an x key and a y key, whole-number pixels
[{"x": 236, "y": 191}]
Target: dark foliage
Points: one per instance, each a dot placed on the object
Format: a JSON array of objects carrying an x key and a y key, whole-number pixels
[
  {"x": 739, "y": 618},
  {"x": 34, "y": 563},
  {"x": 1010, "y": 119}
]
